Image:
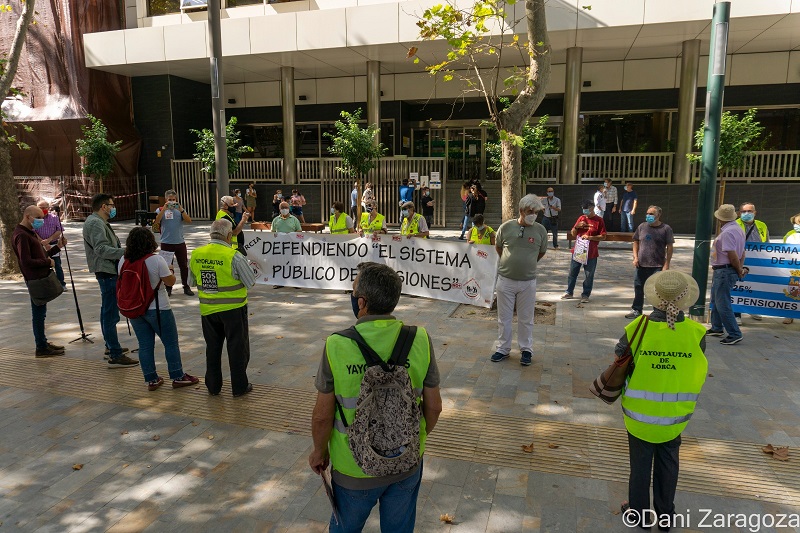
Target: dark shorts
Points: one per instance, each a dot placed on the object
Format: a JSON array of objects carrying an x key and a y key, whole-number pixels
[{"x": 296, "y": 211}]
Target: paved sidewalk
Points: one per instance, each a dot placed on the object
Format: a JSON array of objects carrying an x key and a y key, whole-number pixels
[{"x": 221, "y": 464}]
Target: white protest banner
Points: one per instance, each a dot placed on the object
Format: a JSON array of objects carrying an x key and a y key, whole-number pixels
[
  {"x": 451, "y": 271},
  {"x": 772, "y": 287}
]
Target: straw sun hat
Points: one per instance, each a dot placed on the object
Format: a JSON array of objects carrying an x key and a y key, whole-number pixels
[
  {"x": 726, "y": 213},
  {"x": 671, "y": 291}
]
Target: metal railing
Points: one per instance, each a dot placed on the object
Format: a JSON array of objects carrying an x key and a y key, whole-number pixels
[
  {"x": 192, "y": 185},
  {"x": 260, "y": 170},
  {"x": 653, "y": 167},
  {"x": 548, "y": 171},
  {"x": 775, "y": 165}
]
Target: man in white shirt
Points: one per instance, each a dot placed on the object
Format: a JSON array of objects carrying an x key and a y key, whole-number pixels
[
  {"x": 552, "y": 209},
  {"x": 600, "y": 201}
]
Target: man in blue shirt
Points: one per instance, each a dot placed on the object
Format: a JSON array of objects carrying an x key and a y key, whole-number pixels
[
  {"x": 171, "y": 217},
  {"x": 354, "y": 200},
  {"x": 628, "y": 208},
  {"x": 406, "y": 194}
]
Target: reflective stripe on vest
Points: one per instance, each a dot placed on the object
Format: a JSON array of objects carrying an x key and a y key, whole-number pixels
[
  {"x": 229, "y": 218},
  {"x": 339, "y": 225},
  {"x": 410, "y": 228},
  {"x": 218, "y": 290},
  {"x": 670, "y": 369},
  {"x": 347, "y": 367},
  {"x": 374, "y": 226},
  {"x": 657, "y": 420}
]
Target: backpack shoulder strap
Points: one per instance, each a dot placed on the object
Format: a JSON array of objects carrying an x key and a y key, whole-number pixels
[
  {"x": 370, "y": 356},
  {"x": 403, "y": 345}
]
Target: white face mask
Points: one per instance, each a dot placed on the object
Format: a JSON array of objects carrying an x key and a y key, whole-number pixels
[
  {"x": 284, "y": 212},
  {"x": 530, "y": 219}
]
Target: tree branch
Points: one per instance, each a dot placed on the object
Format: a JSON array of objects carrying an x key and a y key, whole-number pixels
[{"x": 16, "y": 47}]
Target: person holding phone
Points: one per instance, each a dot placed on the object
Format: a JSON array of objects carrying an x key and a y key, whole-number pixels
[{"x": 170, "y": 218}]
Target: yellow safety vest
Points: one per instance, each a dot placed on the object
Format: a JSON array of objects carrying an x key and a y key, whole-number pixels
[
  {"x": 474, "y": 235},
  {"x": 412, "y": 227},
  {"x": 670, "y": 369},
  {"x": 212, "y": 267},
  {"x": 375, "y": 226},
  {"x": 340, "y": 225},
  {"x": 224, "y": 214},
  {"x": 763, "y": 233},
  {"x": 786, "y": 237},
  {"x": 344, "y": 356}
]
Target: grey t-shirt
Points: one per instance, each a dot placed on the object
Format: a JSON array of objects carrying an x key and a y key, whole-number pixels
[
  {"x": 653, "y": 241},
  {"x": 171, "y": 226},
  {"x": 521, "y": 246}
]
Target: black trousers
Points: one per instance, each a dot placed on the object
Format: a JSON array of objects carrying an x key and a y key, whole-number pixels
[
  {"x": 231, "y": 327},
  {"x": 610, "y": 218},
  {"x": 660, "y": 459}
]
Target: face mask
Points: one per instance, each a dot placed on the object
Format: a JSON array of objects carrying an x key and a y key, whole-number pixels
[
  {"x": 797, "y": 228},
  {"x": 354, "y": 303},
  {"x": 650, "y": 218},
  {"x": 404, "y": 213},
  {"x": 113, "y": 212},
  {"x": 37, "y": 223},
  {"x": 748, "y": 217},
  {"x": 587, "y": 211},
  {"x": 550, "y": 194},
  {"x": 480, "y": 228},
  {"x": 333, "y": 211},
  {"x": 239, "y": 195},
  {"x": 530, "y": 219},
  {"x": 284, "y": 212},
  {"x": 370, "y": 209}
]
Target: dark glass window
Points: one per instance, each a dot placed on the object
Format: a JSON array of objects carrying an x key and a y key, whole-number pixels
[
  {"x": 163, "y": 7},
  {"x": 237, "y": 3}
]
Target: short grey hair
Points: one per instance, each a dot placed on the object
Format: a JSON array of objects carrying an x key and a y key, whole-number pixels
[
  {"x": 227, "y": 200},
  {"x": 221, "y": 228},
  {"x": 658, "y": 209},
  {"x": 380, "y": 286},
  {"x": 170, "y": 193},
  {"x": 531, "y": 201}
]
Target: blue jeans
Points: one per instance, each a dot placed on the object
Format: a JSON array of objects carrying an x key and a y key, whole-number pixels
[
  {"x": 398, "y": 506},
  {"x": 146, "y": 328},
  {"x": 59, "y": 270},
  {"x": 723, "y": 280},
  {"x": 626, "y": 222},
  {"x": 109, "y": 315},
  {"x": 588, "y": 276},
  {"x": 642, "y": 275},
  {"x": 237, "y": 217},
  {"x": 38, "y": 314},
  {"x": 465, "y": 225},
  {"x": 551, "y": 225}
]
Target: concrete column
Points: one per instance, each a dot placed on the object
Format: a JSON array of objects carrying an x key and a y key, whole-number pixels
[
  {"x": 287, "y": 104},
  {"x": 687, "y": 102},
  {"x": 572, "y": 106},
  {"x": 374, "y": 95}
]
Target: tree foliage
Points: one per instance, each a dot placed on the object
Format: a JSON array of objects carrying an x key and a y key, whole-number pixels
[
  {"x": 738, "y": 137},
  {"x": 535, "y": 141},
  {"x": 96, "y": 151},
  {"x": 205, "y": 148},
  {"x": 355, "y": 145},
  {"x": 482, "y": 40}
]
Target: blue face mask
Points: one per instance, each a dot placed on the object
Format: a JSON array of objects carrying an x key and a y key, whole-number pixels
[
  {"x": 650, "y": 218},
  {"x": 550, "y": 194},
  {"x": 797, "y": 228},
  {"x": 113, "y": 212},
  {"x": 37, "y": 223},
  {"x": 587, "y": 211},
  {"x": 748, "y": 217},
  {"x": 404, "y": 213}
]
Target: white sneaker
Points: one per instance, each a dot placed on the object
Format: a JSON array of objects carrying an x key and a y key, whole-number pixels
[
  {"x": 757, "y": 317},
  {"x": 738, "y": 321}
]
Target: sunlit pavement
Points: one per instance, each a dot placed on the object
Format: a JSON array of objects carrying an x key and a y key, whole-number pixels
[{"x": 240, "y": 465}]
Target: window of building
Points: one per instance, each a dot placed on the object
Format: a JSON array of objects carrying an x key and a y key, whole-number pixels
[
  {"x": 237, "y": 3},
  {"x": 163, "y": 7}
]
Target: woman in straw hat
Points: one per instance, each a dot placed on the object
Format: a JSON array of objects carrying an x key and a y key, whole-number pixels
[{"x": 660, "y": 396}]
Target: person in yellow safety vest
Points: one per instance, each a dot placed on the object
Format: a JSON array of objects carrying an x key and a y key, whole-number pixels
[
  {"x": 377, "y": 289},
  {"x": 660, "y": 396},
  {"x": 480, "y": 233},
  {"x": 413, "y": 224},
  {"x": 340, "y": 222},
  {"x": 754, "y": 231},
  {"x": 222, "y": 277},
  {"x": 226, "y": 210},
  {"x": 371, "y": 220}
]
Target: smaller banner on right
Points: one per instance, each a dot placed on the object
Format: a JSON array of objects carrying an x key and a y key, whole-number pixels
[{"x": 772, "y": 287}]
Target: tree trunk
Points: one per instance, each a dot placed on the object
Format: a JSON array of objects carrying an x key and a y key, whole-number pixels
[
  {"x": 9, "y": 209},
  {"x": 511, "y": 179}
]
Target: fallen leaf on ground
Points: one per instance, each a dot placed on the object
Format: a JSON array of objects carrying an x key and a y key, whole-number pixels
[
  {"x": 211, "y": 437},
  {"x": 444, "y": 344},
  {"x": 616, "y": 512},
  {"x": 279, "y": 336},
  {"x": 126, "y": 465},
  {"x": 447, "y": 518},
  {"x": 711, "y": 375},
  {"x": 552, "y": 446},
  {"x": 156, "y": 437},
  {"x": 123, "y": 432},
  {"x": 527, "y": 448},
  {"x": 77, "y": 466},
  {"x": 781, "y": 453},
  {"x": 195, "y": 423},
  {"x": 411, "y": 53}
]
